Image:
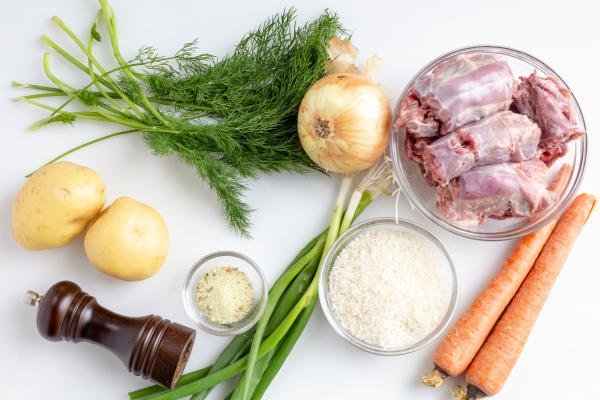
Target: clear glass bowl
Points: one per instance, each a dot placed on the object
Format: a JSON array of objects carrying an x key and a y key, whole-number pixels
[
  {"x": 404, "y": 226},
  {"x": 225, "y": 259},
  {"x": 422, "y": 196}
]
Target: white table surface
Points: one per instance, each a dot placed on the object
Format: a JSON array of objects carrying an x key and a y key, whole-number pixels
[{"x": 563, "y": 348}]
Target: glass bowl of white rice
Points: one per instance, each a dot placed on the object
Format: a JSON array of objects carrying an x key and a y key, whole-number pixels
[{"x": 388, "y": 286}]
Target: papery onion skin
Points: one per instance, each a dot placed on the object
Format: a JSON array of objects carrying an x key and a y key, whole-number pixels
[{"x": 344, "y": 123}]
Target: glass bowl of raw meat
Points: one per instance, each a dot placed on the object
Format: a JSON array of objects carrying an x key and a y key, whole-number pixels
[{"x": 478, "y": 137}]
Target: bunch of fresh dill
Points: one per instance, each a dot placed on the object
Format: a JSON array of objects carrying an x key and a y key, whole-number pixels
[{"x": 229, "y": 118}]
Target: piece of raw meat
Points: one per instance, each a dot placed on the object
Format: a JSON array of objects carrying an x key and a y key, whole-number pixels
[
  {"x": 459, "y": 90},
  {"x": 497, "y": 138},
  {"x": 496, "y": 191},
  {"x": 414, "y": 150},
  {"x": 547, "y": 102}
]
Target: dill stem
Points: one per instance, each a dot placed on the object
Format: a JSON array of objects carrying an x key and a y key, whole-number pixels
[
  {"x": 63, "y": 26},
  {"x": 80, "y": 114},
  {"x": 65, "y": 54},
  {"x": 105, "y": 75},
  {"x": 36, "y": 87},
  {"x": 158, "y": 100},
  {"x": 108, "y": 82},
  {"x": 89, "y": 53},
  {"x": 176, "y": 103},
  {"x": 42, "y": 95},
  {"x": 83, "y": 114},
  {"x": 110, "y": 22},
  {"x": 131, "y": 123},
  {"x": 53, "y": 78},
  {"x": 49, "y": 91},
  {"x": 73, "y": 95},
  {"x": 81, "y": 146},
  {"x": 114, "y": 117}
]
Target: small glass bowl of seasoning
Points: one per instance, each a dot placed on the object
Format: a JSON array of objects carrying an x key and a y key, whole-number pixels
[{"x": 225, "y": 293}]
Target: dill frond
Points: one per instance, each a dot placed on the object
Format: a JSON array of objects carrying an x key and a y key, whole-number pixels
[
  {"x": 252, "y": 96},
  {"x": 229, "y": 118}
]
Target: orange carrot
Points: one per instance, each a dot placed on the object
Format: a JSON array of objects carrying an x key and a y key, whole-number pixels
[
  {"x": 455, "y": 352},
  {"x": 493, "y": 363}
]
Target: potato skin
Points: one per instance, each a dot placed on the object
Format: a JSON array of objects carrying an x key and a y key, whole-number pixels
[
  {"x": 56, "y": 204},
  {"x": 129, "y": 240}
]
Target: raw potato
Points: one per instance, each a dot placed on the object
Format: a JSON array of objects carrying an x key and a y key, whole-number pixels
[
  {"x": 129, "y": 240},
  {"x": 55, "y": 205}
]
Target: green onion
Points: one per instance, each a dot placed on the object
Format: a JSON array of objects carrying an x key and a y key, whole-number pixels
[
  {"x": 152, "y": 390},
  {"x": 292, "y": 299},
  {"x": 283, "y": 351}
]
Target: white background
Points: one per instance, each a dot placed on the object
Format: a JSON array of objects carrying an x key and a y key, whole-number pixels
[{"x": 560, "y": 359}]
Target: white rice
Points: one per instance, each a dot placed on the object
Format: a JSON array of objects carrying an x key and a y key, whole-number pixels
[{"x": 387, "y": 288}]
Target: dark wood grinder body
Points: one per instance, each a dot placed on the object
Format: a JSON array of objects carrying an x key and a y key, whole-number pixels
[{"x": 150, "y": 346}]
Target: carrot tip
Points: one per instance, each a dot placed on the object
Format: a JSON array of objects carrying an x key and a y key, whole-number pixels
[
  {"x": 594, "y": 202},
  {"x": 434, "y": 379},
  {"x": 561, "y": 178},
  {"x": 474, "y": 393}
]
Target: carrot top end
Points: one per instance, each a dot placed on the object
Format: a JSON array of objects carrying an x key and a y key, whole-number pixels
[
  {"x": 474, "y": 393},
  {"x": 434, "y": 379},
  {"x": 594, "y": 202}
]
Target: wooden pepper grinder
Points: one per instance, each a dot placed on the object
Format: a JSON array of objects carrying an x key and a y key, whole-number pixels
[{"x": 155, "y": 348}]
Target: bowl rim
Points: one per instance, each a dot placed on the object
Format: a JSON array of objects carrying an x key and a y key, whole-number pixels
[
  {"x": 329, "y": 260},
  {"x": 551, "y": 213},
  {"x": 190, "y": 309}
]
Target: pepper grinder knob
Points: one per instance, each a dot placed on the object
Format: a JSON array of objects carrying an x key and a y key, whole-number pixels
[
  {"x": 32, "y": 298},
  {"x": 150, "y": 346}
]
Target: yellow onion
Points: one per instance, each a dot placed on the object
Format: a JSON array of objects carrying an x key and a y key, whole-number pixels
[{"x": 344, "y": 123}]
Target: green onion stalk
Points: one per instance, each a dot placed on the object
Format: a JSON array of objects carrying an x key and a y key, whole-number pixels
[{"x": 257, "y": 355}]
